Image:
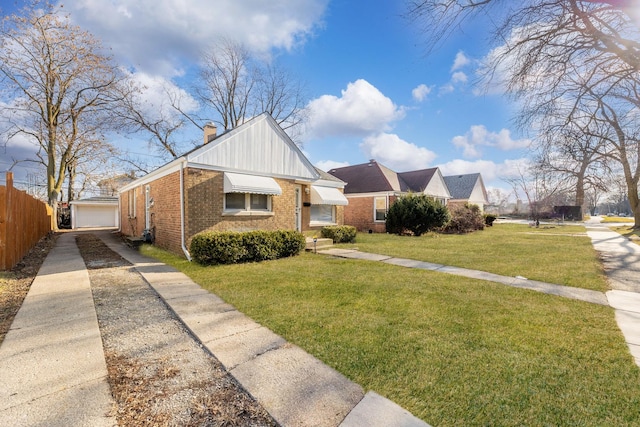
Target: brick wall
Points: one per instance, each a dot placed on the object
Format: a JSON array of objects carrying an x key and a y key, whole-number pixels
[
  {"x": 164, "y": 212},
  {"x": 359, "y": 213},
  {"x": 132, "y": 224},
  {"x": 205, "y": 202}
]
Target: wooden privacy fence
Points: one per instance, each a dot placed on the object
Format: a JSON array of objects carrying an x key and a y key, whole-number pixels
[{"x": 23, "y": 221}]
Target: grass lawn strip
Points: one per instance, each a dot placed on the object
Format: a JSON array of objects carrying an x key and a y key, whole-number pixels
[
  {"x": 562, "y": 255},
  {"x": 452, "y": 350},
  {"x": 629, "y": 232}
]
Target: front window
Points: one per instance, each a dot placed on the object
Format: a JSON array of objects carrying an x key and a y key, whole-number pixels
[
  {"x": 247, "y": 202},
  {"x": 323, "y": 214},
  {"x": 380, "y": 209}
]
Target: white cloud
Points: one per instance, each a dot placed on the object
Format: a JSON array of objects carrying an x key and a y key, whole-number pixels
[
  {"x": 492, "y": 172},
  {"x": 460, "y": 61},
  {"x": 156, "y": 35},
  {"x": 157, "y": 93},
  {"x": 478, "y": 137},
  {"x": 327, "y": 165},
  {"x": 448, "y": 88},
  {"x": 396, "y": 153},
  {"x": 459, "y": 77},
  {"x": 361, "y": 110},
  {"x": 421, "y": 92}
]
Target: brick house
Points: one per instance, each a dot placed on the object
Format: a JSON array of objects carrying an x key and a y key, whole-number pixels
[
  {"x": 467, "y": 188},
  {"x": 252, "y": 177},
  {"x": 371, "y": 188}
]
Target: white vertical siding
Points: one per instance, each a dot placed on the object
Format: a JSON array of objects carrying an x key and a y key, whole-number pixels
[{"x": 259, "y": 147}]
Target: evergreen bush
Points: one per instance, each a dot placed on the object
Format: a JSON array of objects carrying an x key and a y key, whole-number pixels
[{"x": 416, "y": 214}]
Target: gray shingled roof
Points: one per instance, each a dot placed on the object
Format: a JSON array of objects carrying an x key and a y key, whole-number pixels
[
  {"x": 417, "y": 181},
  {"x": 363, "y": 178},
  {"x": 373, "y": 177},
  {"x": 461, "y": 186}
]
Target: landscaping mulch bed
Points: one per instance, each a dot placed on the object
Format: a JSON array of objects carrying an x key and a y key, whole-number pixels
[{"x": 158, "y": 372}]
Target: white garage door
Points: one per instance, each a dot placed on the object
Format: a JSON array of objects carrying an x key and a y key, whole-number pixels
[{"x": 95, "y": 216}]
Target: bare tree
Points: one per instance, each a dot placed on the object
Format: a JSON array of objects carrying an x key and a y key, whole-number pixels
[
  {"x": 569, "y": 60},
  {"x": 162, "y": 118},
  {"x": 237, "y": 86},
  {"x": 567, "y": 149},
  {"x": 596, "y": 23},
  {"x": 541, "y": 189},
  {"x": 498, "y": 199},
  {"x": 58, "y": 83}
]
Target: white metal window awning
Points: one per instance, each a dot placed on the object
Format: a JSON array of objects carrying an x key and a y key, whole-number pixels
[
  {"x": 241, "y": 183},
  {"x": 327, "y": 196}
]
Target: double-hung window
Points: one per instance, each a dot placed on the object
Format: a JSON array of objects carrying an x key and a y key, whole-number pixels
[{"x": 380, "y": 209}]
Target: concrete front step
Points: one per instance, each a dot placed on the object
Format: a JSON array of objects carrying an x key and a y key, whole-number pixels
[{"x": 319, "y": 244}]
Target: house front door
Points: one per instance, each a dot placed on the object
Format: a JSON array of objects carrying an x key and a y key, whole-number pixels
[{"x": 298, "y": 208}]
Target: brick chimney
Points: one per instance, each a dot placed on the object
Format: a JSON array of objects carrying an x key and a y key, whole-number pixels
[{"x": 210, "y": 132}]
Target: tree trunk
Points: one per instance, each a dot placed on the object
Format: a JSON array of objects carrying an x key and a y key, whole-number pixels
[
  {"x": 71, "y": 170},
  {"x": 634, "y": 202},
  {"x": 580, "y": 192}
]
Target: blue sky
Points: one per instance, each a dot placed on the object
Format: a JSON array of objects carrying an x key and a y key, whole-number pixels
[{"x": 374, "y": 90}]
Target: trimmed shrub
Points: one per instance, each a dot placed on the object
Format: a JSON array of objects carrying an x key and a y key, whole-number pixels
[
  {"x": 218, "y": 248},
  {"x": 339, "y": 233},
  {"x": 289, "y": 243},
  {"x": 230, "y": 247},
  {"x": 416, "y": 214},
  {"x": 464, "y": 219},
  {"x": 260, "y": 245},
  {"x": 489, "y": 219}
]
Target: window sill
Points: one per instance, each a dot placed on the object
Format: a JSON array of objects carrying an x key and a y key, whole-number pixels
[
  {"x": 247, "y": 213},
  {"x": 321, "y": 223}
]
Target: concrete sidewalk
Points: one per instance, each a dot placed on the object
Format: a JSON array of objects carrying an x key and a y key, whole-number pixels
[
  {"x": 52, "y": 366},
  {"x": 621, "y": 262},
  {"x": 293, "y": 386}
]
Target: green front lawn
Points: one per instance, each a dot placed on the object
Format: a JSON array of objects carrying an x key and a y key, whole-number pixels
[
  {"x": 453, "y": 351},
  {"x": 562, "y": 255}
]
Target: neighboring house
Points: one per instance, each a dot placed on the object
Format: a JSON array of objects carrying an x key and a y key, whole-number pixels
[
  {"x": 371, "y": 188},
  {"x": 250, "y": 178},
  {"x": 95, "y": 212},
  {"x": 467, "y": 189}
]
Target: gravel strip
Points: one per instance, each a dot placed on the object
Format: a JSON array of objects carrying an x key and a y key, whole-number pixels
[{"x": 159, "y": 374}]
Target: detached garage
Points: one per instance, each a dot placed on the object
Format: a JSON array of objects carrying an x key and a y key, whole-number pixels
[{"x": 95, "y": 212}]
